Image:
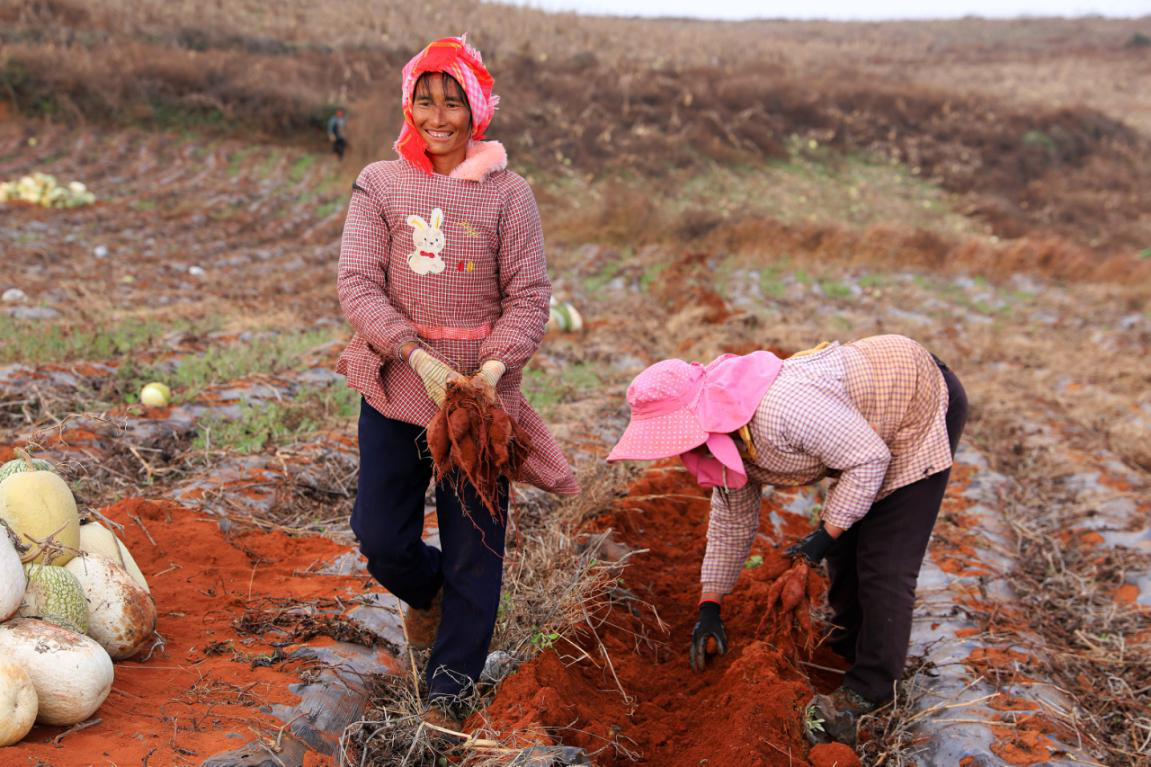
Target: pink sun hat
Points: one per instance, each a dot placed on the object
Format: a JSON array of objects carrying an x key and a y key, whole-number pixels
[{"x": 677, "y": 406}]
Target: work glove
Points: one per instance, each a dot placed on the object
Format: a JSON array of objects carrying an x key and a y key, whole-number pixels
[
  {"x": 489, "y": 377},
  {"x": 813, "y": 547},
  {"x": 709, "y": 626},
  {"x": 434, "y": 373}
]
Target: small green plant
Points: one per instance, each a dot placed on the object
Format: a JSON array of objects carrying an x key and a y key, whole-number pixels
[
  {"x": 257, "y": 426},
  {"x": 544, "y": 641},
  {"x": 221, "y": 364},
  {"x": 600, "y": 279},
  {"x": 770, "y": 285},
  {"x": 650, "y": 275},
  {"x": 1040, "y": 140},
  {"x": 835, "y": 290},
  {"x": 329, "y": 208},
  {"x": 1145, "y": 254},
  {"x": 301, "y": 167},
  {"x": 812, "y": 723},
  {"x": 755, "y": 560},
  {"x": 36, "y": 343}
]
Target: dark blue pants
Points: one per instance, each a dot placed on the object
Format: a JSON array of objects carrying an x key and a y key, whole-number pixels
[
  {"x": 874, "y": 567},
  {"x": 388, "y": 520}
]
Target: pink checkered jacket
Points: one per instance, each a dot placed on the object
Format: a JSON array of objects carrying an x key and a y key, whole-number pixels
[
  {"x": 872, "y": 413},
  {"x": 455, "y": 263}
]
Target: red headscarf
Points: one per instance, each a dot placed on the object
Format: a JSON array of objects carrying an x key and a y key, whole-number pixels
[{"x": 455, "y": 57}]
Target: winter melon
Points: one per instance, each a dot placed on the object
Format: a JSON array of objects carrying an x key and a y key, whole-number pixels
[
  {"x": 54, "y": 595},
  {"x": 38, "y": 505},
  {"x": 72, "y": 674},
  {"x": 12, "y": 578},
  {"x": 99, "y": 541},
  {"x": 18, "y": 703},
  {"x": 121, "y": 615}
]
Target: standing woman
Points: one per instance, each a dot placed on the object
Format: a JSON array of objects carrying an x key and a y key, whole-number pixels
[
  {"x": 883, "y": 416},
  {"x": 443, "y": 277}
]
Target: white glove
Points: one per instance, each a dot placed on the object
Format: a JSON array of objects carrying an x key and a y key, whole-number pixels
[
  {"x": 491, "y": 372},
  {"x": 434, "y": 373}
]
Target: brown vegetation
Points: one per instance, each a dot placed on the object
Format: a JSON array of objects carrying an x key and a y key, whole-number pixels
[{"x": 574, "y": 103}]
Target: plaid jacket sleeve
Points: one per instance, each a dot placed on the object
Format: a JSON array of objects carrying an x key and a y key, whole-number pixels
[
  {"x": 839, "y": 436},
  {"x": 524, "y": 284},
  {"x": 731, "y": 530},
  {"x": 362, "y": 280}
]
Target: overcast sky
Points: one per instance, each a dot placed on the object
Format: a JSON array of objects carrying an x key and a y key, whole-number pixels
[{"x": 845, "y": 10}]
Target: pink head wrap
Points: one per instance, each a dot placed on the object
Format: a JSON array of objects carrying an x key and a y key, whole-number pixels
[
  {"x": 455, "y": 57},
  {"x": 677, "y": 406}
]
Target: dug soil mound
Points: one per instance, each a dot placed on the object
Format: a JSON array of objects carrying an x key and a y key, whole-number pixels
[
  {"x": 229, "y": 616},
  {"x": 631, "y": 693}
]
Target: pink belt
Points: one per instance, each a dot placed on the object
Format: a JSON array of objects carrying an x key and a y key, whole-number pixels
[{"x": 444, "y": 333}]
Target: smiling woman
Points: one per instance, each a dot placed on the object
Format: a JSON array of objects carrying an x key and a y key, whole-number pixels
[
  {"x": 442, "y": 274},
  {"x": 442, "y": 116}
]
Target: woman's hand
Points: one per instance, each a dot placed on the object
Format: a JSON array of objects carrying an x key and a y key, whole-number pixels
[
  {"x": 489, "y": 377},
  {"x": 434, "y": 373}
]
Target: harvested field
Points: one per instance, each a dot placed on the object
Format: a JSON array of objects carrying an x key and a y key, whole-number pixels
[{"x": 974, "y": 185}]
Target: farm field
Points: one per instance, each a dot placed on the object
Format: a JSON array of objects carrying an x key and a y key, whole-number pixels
[{"x": 992, "y": 211}]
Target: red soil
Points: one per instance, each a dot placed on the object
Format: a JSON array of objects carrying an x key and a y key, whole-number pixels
[
  {"x": 184, "y": 704},
  {"x": 745, "y": 709},
  {"x": 833, "y": 755}
]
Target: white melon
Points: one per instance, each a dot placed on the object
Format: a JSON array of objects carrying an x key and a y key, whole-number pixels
[
  {"x": 12, "y": 578},
  {"x": 71, "y": 672},
  {"x": 18, "y": 703},
  {"x": 121, "y": 615},
  {"x": 99, "y": 541}
]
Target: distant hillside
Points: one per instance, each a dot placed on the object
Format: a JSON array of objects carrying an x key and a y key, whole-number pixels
[{"x": 1039, "y": 125}]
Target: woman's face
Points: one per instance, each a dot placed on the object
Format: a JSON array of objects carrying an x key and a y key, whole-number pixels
[{"x": 441, "y": 115}]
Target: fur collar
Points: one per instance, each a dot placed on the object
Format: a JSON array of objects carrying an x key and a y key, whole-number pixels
[{"x": 483, "y": 157}]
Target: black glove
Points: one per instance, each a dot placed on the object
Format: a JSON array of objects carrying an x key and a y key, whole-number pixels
[
  {"x": 709, "y": 626},
  {"x": 813, "y": 547}
]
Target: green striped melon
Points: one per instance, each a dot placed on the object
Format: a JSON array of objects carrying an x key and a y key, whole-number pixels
[
  {"x": 55, "y": 595},
  {"x": 25, "y": 463}
]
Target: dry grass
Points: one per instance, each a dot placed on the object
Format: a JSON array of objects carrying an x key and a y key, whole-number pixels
[
  {"x": 576, "y": 105},
  {"x": 556, "y": 585}
]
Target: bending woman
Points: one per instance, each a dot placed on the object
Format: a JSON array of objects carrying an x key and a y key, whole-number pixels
[
  {"x": 883, "y": 416},
  {"x": 442, "y": 275}
]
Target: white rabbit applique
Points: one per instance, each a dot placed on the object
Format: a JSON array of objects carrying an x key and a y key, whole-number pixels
[{"x": 428, "y": 241}]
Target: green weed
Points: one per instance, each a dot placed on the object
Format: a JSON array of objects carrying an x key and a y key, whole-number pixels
[
  {"x": 221, "y": 364},
  {"x": 301, "y": 167},
  {"x": 597, "y": 281},
  {"x": 546, "y": 390},
  {"x": 37, "y": 343},
  {"x": 329, "y": 208},
  {"x": 835, "y": 290},
  {"x": 276, "y": 423},
  {"x": 770, "y": 284},
  {"x": 544, "y": 641}
]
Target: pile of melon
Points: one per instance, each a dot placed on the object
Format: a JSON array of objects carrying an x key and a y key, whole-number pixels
[
  {"x": 44, "y": 189},
  {"x": 72, "y": 601}
]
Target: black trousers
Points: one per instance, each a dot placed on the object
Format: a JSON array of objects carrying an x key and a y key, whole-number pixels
[
  {"x": 388, "y": 520},
  {"x": 874, "y": 567}
]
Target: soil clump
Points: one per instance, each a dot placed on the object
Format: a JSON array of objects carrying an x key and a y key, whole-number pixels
[{"x": 628, "y": 692}]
